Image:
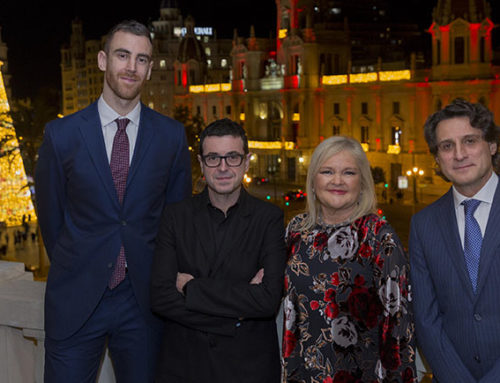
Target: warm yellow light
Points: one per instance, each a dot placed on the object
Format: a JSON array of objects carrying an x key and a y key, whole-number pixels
[
  {"x": 296, "y": 117},
  {"x": 287, "y": 145},
  {"x": 393, "y": 149},
  {"x": 301, "y": 160},
  {"x": 365, "y": 146},
  {"x": 354, "y": 78},
  {"x": 334, "y": 80},
  {"x": 253, "y": 157},
  {"x": 282, "y": 33},
  {"x": 210, "y": 88},
  {"x": 395, "y": 75},
  {"x": 415, "y": 169},
  {"x": 242, "y": 116},
  {"x": 420, "y": 172},
  {"x": 15, "y": 195},
  {"x": 363, "y": 77},
  {"x": 408, "y": 173},
  {"x": 247, "y": 179},
  {"x": 196, "y": 89}
]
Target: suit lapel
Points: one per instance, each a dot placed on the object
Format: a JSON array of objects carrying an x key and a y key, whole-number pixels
[
  {"x": 449, "y": 230},
  {"x": 145, "y": 135},
  {"x": 235, "y": 234},
  {"x": 491, "y": 241},
  {"x": 91, "y": 130}
]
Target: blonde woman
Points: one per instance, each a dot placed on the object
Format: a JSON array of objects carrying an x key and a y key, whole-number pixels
[{"x": 347, "y": 307}]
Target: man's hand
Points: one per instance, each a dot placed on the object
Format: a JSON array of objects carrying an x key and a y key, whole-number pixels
[
  {"x": 257, "y": 279},
  {"x": 182, "y": 279}
]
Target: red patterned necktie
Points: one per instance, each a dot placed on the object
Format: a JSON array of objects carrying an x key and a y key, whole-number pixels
[{"x": 119, "y": 171}]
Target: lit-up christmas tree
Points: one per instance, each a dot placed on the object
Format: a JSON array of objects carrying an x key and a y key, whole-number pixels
[{"x": 15, "y": 195}]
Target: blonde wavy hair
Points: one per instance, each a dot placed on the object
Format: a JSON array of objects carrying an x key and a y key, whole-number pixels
[{"x": 367, "y": 202}]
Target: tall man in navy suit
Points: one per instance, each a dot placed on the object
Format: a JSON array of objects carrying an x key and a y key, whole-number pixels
[
  {"x": 103, "y": 177},
  {"x": 455, "y": 250}
]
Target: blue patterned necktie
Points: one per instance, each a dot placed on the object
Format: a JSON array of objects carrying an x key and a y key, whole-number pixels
[{"x": 472, "y": 240}]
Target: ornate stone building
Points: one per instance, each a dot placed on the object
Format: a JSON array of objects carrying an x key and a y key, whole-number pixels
[{"x": 335, "y": 67}]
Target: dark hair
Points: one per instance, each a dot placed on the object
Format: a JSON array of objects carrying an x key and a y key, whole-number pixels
[
  {"x": 130, "y": 26},
  {"x": 224, "y": 127},
  {"x": 479, "y": 117}
]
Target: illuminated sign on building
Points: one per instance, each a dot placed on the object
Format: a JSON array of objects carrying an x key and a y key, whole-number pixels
[
  {"x": 353, "y": 78},
  {"x": 200, "y": 31},
  {"x": 287, "y": 145},
  {"x": 210, "y": 88}
]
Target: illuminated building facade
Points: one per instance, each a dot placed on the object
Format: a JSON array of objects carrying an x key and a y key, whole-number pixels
[
  {"x": 323, "y": 75},
  {"x": 316, "y": 83},
  {"x": 15, "y": 195}
]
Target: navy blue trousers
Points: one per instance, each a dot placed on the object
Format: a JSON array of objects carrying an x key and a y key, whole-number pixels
[{"x": 116, "y": 322}]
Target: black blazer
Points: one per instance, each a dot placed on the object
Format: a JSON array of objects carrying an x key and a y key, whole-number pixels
[{"x": 224, "y": 329}]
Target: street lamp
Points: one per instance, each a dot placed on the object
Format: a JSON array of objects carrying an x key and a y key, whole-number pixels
[{"x": 414, "y": 173}]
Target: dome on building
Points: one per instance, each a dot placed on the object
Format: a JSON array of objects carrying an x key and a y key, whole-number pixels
[
  {"x": 169, "y": 4},
  {"x": 473, "y": 11},
  {"x": 190, "y": 48}
]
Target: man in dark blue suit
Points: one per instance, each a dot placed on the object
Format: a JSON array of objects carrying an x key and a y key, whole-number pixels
[
  {"x": 103, "y": 177},
  {"x": 455, "y": 250}
]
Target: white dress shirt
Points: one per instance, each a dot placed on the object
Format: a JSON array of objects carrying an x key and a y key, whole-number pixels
[
  {"x": 485, "y": 195},
  {"x": 109, "y": 126}
]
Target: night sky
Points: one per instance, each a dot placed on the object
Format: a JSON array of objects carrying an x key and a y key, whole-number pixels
[{"x": 35, "y": 30}]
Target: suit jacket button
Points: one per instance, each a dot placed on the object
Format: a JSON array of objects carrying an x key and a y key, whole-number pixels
[
  {"x": 110, "y": 265},
  {"x": 124, "y": 223},
  {"x": 477, "y": 359},
  {"x": 477, "y": 317}
]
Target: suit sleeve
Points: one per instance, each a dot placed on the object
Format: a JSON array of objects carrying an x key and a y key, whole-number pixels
[
  {"x": 50, "y": 191},
  {"x": 240, "y": 299},
  {"x": 180, "y": 183},
  {"x": 446, "y": 365},
  {"x": 166, "y": 301}
]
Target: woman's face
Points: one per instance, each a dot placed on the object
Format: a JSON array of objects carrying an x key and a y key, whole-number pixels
[{"x": 337, "y": 187}]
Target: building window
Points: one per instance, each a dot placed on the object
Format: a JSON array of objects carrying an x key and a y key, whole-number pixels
[
  {"x": 335, "y": 130},
  {"x": 438, "y": 48},
  {"x": 228, "y": 110},
  {"x": 223, "y": 63},
  {"x": 151, "y": 105},
  {"x": 482, "y": 50},
  {"x": 459, "y": 50},
  {"x": 395, "y": 107},
  {"x": 364, "y": 108},
  {"x": 214, "y": 110},
  {"x": 336, "y": 108},
  {"x": 396, "y": 135},
  {"x": 198, "y": 110},
  {"x": 209, "y": 63},
  {"x": 365, "y": 137},
  {"x": 208, "y": 51},
  {"x": 163, "y": 64}
]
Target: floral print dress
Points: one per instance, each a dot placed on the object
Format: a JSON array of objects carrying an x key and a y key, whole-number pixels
[{"x": 347, "y": 304}]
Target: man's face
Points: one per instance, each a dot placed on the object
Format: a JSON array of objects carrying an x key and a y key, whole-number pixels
[
  {"x": 463, "y": 155},
  {"x": 224, "y": 179},
  {"x": 127, "y": 65}
]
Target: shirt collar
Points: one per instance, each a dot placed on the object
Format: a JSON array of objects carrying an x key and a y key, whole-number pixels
[
  {"x": 109, "y": 115},
  {"x": 485, "y": 194}
]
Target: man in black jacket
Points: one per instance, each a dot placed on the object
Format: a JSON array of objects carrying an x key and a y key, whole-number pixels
[{"x": 218, "y": 273}]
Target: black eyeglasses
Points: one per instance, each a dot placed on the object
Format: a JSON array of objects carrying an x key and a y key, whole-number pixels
[{"x": 213, "y": 160}]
